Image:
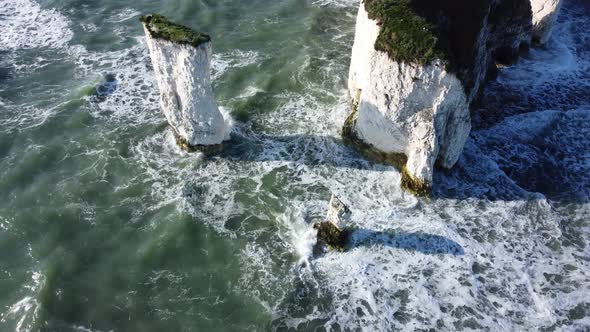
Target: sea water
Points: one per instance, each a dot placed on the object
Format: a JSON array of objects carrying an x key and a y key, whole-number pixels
[{"x": 106, "y": 225}]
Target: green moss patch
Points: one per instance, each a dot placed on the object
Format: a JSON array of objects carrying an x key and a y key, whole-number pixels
[
  {"x": 405, "y": 35},
  {"x": 420, "y": 31},
  {"x": 160, "y": 27},
  {"x": 208, "y": 150},
  {"x": 415, "y": 186}
]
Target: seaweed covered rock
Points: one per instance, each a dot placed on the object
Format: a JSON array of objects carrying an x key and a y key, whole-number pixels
[
  {"x": 331, "y": 236},
  {"x": 544, "y": 16},
  {"x": 416, "y": 67},
  {"x": 181, "y": 58}
]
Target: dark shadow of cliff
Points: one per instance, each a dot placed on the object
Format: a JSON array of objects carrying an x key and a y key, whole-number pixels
[
  {"x": 475, "y": 175},
  {"x": 424, "y": 243}
]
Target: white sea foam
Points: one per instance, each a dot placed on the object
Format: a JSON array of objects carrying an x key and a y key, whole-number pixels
[
  {"x": 25, "y": 116},
  {"x": 24, "y": 24},
  {"x": 222, "y": 62},
  {"x": 553, "y": 77},
  {"x": 445, "y": 264},
  {"x": 123, "y": 15},
  {"x": 25, "y": 311},
  {"x": 484, "y": 254},
  {"x": 335, "y": 3},
  {"x": 134, "y": 99}
]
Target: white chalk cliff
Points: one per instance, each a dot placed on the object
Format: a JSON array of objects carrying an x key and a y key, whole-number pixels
[
  {"x": 544, "y": 16},
  {"x": 421, "y": 112},
  {"x": 186, "y": 96}
]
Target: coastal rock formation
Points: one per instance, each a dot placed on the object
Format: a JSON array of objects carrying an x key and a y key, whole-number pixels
[
  {"x": 338, "y": 213},
  {"x": 544, "y": 16},
  {"x": 334, "y": 232},
  {"x": 416, "y": 67},
  {"x": 181, "y": 60}
]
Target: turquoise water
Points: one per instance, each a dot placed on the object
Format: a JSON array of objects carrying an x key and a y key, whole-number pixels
[{"x": 106, "y": 225}]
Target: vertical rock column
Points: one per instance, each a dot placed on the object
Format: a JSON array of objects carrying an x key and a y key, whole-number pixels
[
  {"x": 181, "y": 58},
  {"x": 406, "y": 113},
  {"x": 416, "y": 68},
  {"x": 544, "y": 16}
]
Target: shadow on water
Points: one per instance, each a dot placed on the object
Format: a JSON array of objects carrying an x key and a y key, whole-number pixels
[
  {"x": 304, "y": 149},
  {"x": 474, "y": 176},
  {"x": 420, "y": 242}
]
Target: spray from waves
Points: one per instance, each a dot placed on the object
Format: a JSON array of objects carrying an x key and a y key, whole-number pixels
[{"x": 25, "y": 25}]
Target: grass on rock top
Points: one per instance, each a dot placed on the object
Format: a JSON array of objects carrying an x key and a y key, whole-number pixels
[
  {"x": 405, "y": 35},
  {"x": 160, "y": 27}
]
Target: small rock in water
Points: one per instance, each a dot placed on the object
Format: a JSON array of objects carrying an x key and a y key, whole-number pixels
[
  {"x": 338, "y": 213},
  {"x": 332, "y": 232},
  {"x": 331, "y": 236}
]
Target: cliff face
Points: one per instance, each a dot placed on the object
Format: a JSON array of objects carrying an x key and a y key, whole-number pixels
[
  {"x": 544, "y": 16},
  {"x": 416, "y": 67},
  {"x": 181, "y": 60}
]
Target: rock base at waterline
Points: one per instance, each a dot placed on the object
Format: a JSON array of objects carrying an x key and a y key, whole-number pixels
[
  {"x": 397, "y": 160},
  {"x": 331, "y": 236}
]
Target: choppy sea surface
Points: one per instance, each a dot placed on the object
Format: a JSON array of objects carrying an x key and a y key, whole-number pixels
[{"x": 105, "y": 225}]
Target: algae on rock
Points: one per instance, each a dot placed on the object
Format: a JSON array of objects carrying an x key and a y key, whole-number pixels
[
  {"x": 405, "y": 35},
  {"x": 160, "y": 27},
  {"x": 332, "y": 236},
  {"x": 398, "y": 160}
]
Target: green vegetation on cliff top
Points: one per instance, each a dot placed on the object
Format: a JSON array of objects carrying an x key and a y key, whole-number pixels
[
  {"x": 160, "y": 27},
  {"x": 405, "y": 35}
]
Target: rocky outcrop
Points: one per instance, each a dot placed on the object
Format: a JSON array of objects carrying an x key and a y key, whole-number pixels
[
  {"x": 338, "y": 213},
  {"x": 181, "y": 60},
  {"x": 334, "y": 232},
  {"x": 544, "y": 16},
  {"x": 416, "y": 67}
]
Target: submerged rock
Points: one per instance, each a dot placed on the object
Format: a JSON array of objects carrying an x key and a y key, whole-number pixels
[
  {"x": 417, "y": 66},
  {"x": 544, "y": 16},
  {"x": 182, "y": 60}
]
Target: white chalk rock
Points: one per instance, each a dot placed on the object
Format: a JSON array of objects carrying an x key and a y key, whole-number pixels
[
  {"x": 544, "y": 17},
  {"x": 419, "y": 111},
  {"x": 338, "y": 213},
  {"x": 186, "y": 96}
]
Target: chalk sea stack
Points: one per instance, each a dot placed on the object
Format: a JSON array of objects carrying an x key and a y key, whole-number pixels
[
  {"x": 418, "y": 65},
  {"x": 182, "y": 60}
]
